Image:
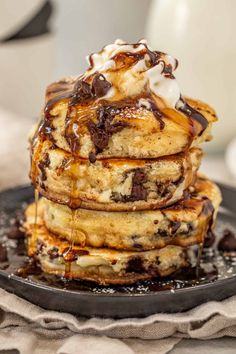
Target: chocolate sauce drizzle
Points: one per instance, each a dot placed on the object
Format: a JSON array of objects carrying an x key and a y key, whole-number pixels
[
  {"x": 194, "y": 114},
  {"x": 86, "y": 90}
]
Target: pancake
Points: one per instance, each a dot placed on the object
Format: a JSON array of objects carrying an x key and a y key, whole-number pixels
[
  {"x": 102, "y": 265},
  {"x": 127, "y": 104},
  {"x": 140, "y": 137},
  {"x": 184, "y": 223},
  {"x": 112, "y": 184}
]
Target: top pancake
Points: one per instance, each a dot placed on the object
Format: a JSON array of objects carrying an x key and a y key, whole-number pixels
[{"x": 129, "y": 108}]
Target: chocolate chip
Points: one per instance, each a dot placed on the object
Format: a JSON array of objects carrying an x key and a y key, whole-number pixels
[
  {"x": 139, "y": 176},
  {"x": 92, "y": 157},
  {"x": 3, "y": 253},
  {"x": 42, "y": 165},
  {"x": 174, "y": 226},
  {"x": 72, "y": 137},
  {"x": 70, "y": 254},
  {"x": 99, "y": 137},
  {"x": 53, "y": 253},
  {"x": 39, "y": 246},
  {"x": 135, "y": 265},
  {"x": 14, "y": 231},
  {"x": 163, "y": 189},
  {"x": 138, "y": 190},
  {"x": 162, "y": 233},
  {"x": 100, "y": 86},
  {"x": 228, "y": 242},
  {"x": 209, "y": 239},
  {"x": 136, "y": 244}
]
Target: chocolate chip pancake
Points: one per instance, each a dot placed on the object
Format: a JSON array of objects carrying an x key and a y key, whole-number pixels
[
  {"x": 102, "y": 265},
  {"x": 127, "y": 104},
  {"x": 115, "y": 158},
  {"x": 184, "y": 223},
  {"x": 112, "y": 184}
]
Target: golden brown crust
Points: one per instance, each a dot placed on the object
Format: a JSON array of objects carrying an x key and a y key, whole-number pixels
[{"x": 101, "y": 265}]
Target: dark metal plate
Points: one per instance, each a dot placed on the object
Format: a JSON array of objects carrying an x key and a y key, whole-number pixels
[{"x": 143, "y": 299}]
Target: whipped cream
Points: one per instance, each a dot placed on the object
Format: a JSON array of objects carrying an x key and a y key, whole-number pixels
[{"x": 152, "y": 71}]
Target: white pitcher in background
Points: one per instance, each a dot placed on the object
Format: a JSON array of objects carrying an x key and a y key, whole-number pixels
[{"x": 201, "y": 34}]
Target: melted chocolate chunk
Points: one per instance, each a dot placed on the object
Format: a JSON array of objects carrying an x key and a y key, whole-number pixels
[
  {"x": 101, "y": 132},
  {"x": 135, "y": 265},
  {"x": 53, "y": 253},
  {"x": 3, "y": 253},
  {"x": 138, "y": 191},
  {"x": 82, "y": 91},
  {"x": 100, "y": 86},
  {"x": 228, "y": 242},
  {"x": 99, "y": 137},
  {"x": 209, "y": 239}
]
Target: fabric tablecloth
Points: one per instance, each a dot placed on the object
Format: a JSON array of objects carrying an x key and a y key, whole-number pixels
[{"x": 31, "y": 329}]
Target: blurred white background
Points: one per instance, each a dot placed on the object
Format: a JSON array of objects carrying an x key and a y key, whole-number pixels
[{"x": 199, "y": 33}]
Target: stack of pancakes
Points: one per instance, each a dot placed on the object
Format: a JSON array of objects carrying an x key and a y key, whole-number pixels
[{"x": 115, "y": 159}]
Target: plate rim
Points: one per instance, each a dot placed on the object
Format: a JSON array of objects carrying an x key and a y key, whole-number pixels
[{"x": 32, "y": 283}]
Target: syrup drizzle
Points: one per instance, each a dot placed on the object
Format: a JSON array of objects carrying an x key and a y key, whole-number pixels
[
  {"x": 34, "y": 235},
  {"x": 69, "y": 254}
]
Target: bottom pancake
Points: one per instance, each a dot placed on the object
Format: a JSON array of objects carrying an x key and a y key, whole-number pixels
[{"x": 101, "y": 265}]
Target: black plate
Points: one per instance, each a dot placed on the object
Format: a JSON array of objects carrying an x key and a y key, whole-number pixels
[{"x": 143, "y": 299}]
